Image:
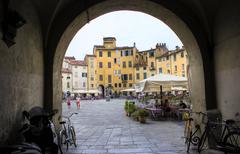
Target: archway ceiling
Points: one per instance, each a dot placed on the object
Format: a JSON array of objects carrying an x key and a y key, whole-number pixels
[{"x": 192, "y": 12}]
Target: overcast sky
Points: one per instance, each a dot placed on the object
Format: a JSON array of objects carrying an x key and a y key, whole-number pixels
[{"x": 127, "y": 27}]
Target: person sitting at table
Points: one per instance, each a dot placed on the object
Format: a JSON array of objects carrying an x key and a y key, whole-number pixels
[
  {"x": 166, "y": 106},
  {"x": 182, "y": 105}
]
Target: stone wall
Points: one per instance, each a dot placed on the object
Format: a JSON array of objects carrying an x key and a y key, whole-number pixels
[
  {"x": 227, "y": 59},
  {"x": 21, "y": 67}
]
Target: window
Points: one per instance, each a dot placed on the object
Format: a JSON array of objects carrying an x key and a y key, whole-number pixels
[
  {"x": 109, "y": 64},
  {"x": 115, "y": 84},
  {"x": 92, "y": 78},
  {"x": 137, "y": 68},
  {"x": 138, "y": 76},
  {"x": 168, "y": 71},
  {"x": 151, "y": 54},
  {"x": 84, "y": 84},
  {"x": 124, "y": 64},
  {"x": 183, "y": 68},
  {"x": 130, "y": 85},
  {"x": 152, "y": 64},
  {"x": 68, "y": 85},
  {"x": 144, "y": 68},
  {"x": 183, "y": 75},
  {"x": 68, "y": 77},
  {"x": 76, "y": 84},
  {"x": 126, "y": 53},
  {"x": 100, "y": 77},
  {"x": 109, "y": 53},
  {"x": 100, "y": 53},
  {"x": 100, "y": 65},
  {"x": 175, "y": 68},
  {"x": 124, "y": 85},
  {"x": 174, "y": 57},
  {"x": 152, "y": 74},
  {"x": 144, "y": 75},
  {"x": 130, "y": 76},
  {"x": 129, "y": 64},
  {"x": 84, "y": 74},
  {"x": 91, "y": 64},
  {"x": 76, "y": 67},
  {"x": 124, "y": 77},
  {"x": 109, "y": 78},
  {"x": 91, "y": 85},
  {"x": 115, "y": 60},
  {"x": 182, "y": 54},
  {"x": 120, "y": 85},
  {"x": 160, "y": 59},
  {"x": 160, "y": 70},
  {"x": 167, "y": 58},
  {"x": 118, "y": 61}
]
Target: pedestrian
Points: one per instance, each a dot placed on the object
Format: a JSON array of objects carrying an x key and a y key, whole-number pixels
[
  {"x": 68, "y": 103},
  {"x": 78, "y": 102}
]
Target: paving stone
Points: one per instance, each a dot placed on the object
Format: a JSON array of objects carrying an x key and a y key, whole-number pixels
[{"x": 102, "y": 128}]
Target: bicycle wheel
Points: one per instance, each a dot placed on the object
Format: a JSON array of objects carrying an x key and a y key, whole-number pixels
[
  {"x": 63, "y": 141},
  {"x": 202, "y": 141},
  {"x": 231, "y": 142},
  {"x": 73, "y": 135}
]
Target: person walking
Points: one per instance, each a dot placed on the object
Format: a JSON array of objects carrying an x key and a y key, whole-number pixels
[
  {"x": 68, "y": 103},
  {"x": 78, "y": 102}
]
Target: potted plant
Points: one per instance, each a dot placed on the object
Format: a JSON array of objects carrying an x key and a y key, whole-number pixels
[
  {"x": 129, "y": 107},
  {"x": 135, "y": 115},
  {"x": 142, "y": 114}
]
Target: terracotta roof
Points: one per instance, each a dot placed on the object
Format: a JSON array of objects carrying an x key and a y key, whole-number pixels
[
  {"x": 109, "y": 38},
  {"x": 78, "y": 62},
  {"x": 66, "y": 70},
  {"x": 169, "y": 53},
  {"x": 69, "y": 57},
  {"x": 87, "y": 55}
]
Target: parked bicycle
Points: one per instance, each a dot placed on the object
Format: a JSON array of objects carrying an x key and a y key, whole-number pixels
[
  {"x": 67, "y": 135},
  {"x": 228, "y": 141},
  {"x": 191, "y": 130}
]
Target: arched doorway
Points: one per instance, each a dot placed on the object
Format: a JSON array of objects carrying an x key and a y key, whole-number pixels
[
  {"x": 102, "y": 90},
  {"x": 184, "y": 32}
]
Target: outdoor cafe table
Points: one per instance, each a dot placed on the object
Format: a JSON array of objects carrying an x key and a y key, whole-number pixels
[{"x": 154, "y": 112}]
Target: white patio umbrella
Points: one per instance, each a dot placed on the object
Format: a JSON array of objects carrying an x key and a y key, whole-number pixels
[{"x": 166, "y": 81}]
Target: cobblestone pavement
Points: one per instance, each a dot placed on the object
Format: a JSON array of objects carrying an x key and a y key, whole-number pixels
[{"x": 102, "y": 127}]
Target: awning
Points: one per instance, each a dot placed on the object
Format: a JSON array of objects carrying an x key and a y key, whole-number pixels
[
  {"x": 93, "y": 91},
  {"x": 128, "y": 90},
  {"x": 80, "y": 91}
]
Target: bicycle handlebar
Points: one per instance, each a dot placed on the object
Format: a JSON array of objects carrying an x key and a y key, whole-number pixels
[{"x": 67, "y": 117}]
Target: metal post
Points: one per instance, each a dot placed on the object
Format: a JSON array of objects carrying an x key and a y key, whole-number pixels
[{"x": 161, "y": 95}]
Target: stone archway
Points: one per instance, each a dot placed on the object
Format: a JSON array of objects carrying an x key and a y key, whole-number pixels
[{"x": 197, "y": 76}]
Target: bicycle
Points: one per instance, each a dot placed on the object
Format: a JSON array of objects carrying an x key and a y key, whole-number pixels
[
  {"x": 190, "y": 134},
  {"x": 67, "y": 135},
  {"x": 229, "y": 141}
]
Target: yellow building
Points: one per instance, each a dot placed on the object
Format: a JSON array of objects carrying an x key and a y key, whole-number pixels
[
  {"x": 114, "y": 66},
  {"x": 91, "y": 78},
  {"x": 112, "y": 69},
  {"x": 173, "y": 62},
  {"x": 145, "y": 61}
]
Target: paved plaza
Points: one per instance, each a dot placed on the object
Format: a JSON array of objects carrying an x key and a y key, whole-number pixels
[{"x": 103, "y": 127}]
